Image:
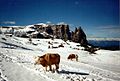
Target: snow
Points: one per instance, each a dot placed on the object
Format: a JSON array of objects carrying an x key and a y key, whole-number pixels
[
  {"x": 36, "y": 32},
  {"x": 61, "y": 23},
  {"x": 43, "y": 24},
  {"x": 17, "y": 61},
  {"x": 26, "y": 28}
]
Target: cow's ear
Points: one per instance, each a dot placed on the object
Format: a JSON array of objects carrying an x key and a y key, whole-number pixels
[
  {"x": 35, "y": 57},
  {"x": 40, "y": 58}
]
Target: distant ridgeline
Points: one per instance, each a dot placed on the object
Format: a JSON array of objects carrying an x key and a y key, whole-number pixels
[{"x": 60, "y": 31}]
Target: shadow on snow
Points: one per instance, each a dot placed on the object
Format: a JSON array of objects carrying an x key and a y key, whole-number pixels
[{"x": 70, "y": 72}]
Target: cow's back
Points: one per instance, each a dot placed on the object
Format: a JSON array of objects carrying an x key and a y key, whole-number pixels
[
  {"x": 71, "y": 56},
  {"x": 52, "y": 58}
]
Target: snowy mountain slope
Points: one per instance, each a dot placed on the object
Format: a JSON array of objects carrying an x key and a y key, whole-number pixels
[{"x": 17, "y": 63}]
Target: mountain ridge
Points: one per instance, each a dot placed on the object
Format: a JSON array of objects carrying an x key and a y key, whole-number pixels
[{"x": 60, "y": 31}]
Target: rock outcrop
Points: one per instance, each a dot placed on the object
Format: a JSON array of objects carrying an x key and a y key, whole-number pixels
[
  {"x": 59, "y": 31},
  {"x": 79, "y": 36}
]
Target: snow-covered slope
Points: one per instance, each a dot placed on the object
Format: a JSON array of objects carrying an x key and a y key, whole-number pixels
[{"x": 17, "y": 61}]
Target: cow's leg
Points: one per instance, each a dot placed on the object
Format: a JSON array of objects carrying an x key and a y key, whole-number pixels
[
  {"x": 45, "y": 68},
  {"x": 53, "y": 68},
  {"x": 57, "y": 67},
  {"x": 77, "y": 59},
  {"x": 50, "y": 68}
]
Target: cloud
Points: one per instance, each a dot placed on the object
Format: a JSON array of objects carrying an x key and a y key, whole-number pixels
[
  {"x": 9, "y": 22},
  {"x": 110, "y": 28},
  {"x": 109, "y": 31},
  {"x": 48, "y": 22}
]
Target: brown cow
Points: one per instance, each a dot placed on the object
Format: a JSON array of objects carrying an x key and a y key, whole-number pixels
[
  {"x": 49, "y": 59},
  {"x": 73, "y": 56}
]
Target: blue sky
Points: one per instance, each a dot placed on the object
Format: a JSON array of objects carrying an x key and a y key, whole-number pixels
[{"x": 98, "y": 18}]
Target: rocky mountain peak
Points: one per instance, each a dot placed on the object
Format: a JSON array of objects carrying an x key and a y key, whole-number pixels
[{"x": 59, "y": 31}]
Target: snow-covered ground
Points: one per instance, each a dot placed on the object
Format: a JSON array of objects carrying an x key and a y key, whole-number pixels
[{"x": 17, "y": 61}]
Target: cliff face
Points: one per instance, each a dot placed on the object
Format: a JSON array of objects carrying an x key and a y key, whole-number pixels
[
  {"x": 58, "y": 31},
  {"x": 79, "y": 36},
  {"x": 63, "y": 32}
]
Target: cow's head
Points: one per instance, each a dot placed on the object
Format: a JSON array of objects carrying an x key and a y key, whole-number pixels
[
  {"x": 37, "y": 60},
  {"x": 40, "y": 60}
]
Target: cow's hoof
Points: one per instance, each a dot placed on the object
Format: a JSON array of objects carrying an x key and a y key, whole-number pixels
[
  {"x": 57, "y": 71},
  {"x": 53, "y": 71}
]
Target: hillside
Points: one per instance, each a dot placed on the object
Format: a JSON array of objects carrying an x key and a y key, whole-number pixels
[
  {"x": 17, "y": 61},
  {"x": 47, "y": 31}
]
